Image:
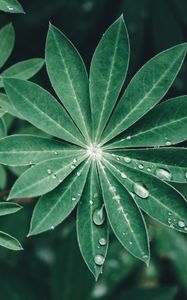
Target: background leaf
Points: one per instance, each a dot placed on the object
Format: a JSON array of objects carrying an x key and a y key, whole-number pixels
[
  {"x": 9, "y": 242},
  {"x": 7, "y": 208},
  {"x": 7, "y": 38},
  {"x": 11, "y": 6}
]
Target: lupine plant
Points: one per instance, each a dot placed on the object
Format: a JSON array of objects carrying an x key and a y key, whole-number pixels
[{"x": 110, "y": 154}]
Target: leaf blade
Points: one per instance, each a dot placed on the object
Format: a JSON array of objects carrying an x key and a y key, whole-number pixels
[
  {"x": 156, "y": 76},
  {"x": 11, "y": 6},
  {"x": 9, "y": 242},
  {"x": 107, "y": 73},
  {"x": 7, "y": 208},
  {"x": 7, "y": 37},
  {"x": 68, "y": 77}
]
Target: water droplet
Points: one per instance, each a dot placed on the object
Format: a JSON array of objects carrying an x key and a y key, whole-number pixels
[
  {"x": 123, "y": 175},
  {"x": 73, "y": 198},
  {"x": 127, "y": 159},
  {"x": 130, "y": 243},
  {"x": 99, "y": 260},
  {"x": 54, "y": 176},
  {"x": 116, "y": 198},
  {"x": 10, "y": 8},
  {"x": 181, "y": 224},
  {"x": 140, "y": 166},
  {"x": 122, "y": 140},
  {"x": 149, "y": 169},
  {"x": 118, "y": 158},
  {"x": 186, "y": 174},
  {"x": 78, "y": 173},
  {"x": 163, "y": 174},
  {"x": 49, "y": 171},
  {"x": 52, "y": 227},
  {"x": 102, "y": 241},
  {"x": 140, "y": 190},
  {"x": 99, "y": 216},
  {"x": 112, "y": 189},
  {"x": 55, "y": 152},
  {"x": 168, "y": 143},
  {"x": 74, "y": 160},
  {"x": 91, "y": 202},
  {"x": 73, "y": 166},
  {"x": 128, "y": 137}
]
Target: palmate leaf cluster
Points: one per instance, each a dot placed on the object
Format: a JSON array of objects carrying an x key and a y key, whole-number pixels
[{"x": 111, "y": 156}]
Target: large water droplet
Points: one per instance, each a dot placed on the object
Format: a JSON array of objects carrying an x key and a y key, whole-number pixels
[
  {"x": 127, "y": 159},
  {"x": 140, "y": 190},
  {"x": 181, "y": 224},
  {"x": 99, "y": 216},
  {"x": 99, "y": 260},
  {"x": 102, "y": 241},
  {"x": 163, "y": 174}
]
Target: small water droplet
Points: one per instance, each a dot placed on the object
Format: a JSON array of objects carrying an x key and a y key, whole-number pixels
[
  {"x": 99, "y": 216},
  {"x": 73, "y": 198},
  {"x": 112, "y": 189},
  {"x": 130, "y": 243},
  {"x": 127, "y": 159},
  {"x": 55, "y": 152},
  {"x": 74, "y": 160},
  {"x": 181, "y": 224},
  {"x": 54, "y": 176},
  {"x": 128, "y": 137},
  {"x": 168, "y": 143},
  {"x": 118, "y": 158},
  {"x": 186, "y": 174},
  {"x": 52, "y": 227},
  {"x": 102, "y": 241},
  {"x": 116, "y": 198},
  {"x": 149, "y": 169},
  {"x": 140, "y": 190},
  {"x": 99, "y": 260},
  {"x": 123, "y": 175},
  {"x": 10, "y": 7},
  {"x": 49, "y": 171},
  {"x": 122, "y": 140},
  {"x": 163, "y": 174},
  {"x": 78, "y": 173},
  {"x": 140, "y": 166},
  {"x": 91, "y": 202},
  {"x": 73, "y": 166}
]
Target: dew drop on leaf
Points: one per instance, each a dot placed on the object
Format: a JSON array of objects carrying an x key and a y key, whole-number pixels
[
  {"x": 123, "y": 175},
  {"x": 140, "y": 190},
  {"x": 168, "y": 143},
  {"x": 99, "y": 260},
  {"x": 99, "y": 216},
  {"x": 102, "y": 241},
  {"x": 163, "y": 174},
  {"x": 140, "y": 166},
  {"x": 54, "y": 176},
  {"x": 127, "y": 159},
  {"x": 128, "y": 138},
  {"x": 49, "y": 171},
  {"x": 10, "y": 8},
  {"x": 181, "y": 224},
  {"x": 73, "y": 198},
  {"x": 78, "y": 173}
]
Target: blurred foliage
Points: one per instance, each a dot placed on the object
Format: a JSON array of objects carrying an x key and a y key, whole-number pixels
[{"x": 51, "y": 267}]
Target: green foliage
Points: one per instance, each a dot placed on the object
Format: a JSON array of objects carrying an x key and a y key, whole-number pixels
[
  {"x": 11, "y": 6},
  {"x": 96, "y": 165}
]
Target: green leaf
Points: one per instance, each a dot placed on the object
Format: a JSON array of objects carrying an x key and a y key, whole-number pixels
[
  {"x": 145, "y": 90},
  {"x": 71, "y": 279},
  {"x": 54, "y": 207},
  {"x": 23, "y": 70},
  {"x": 11, "y": 6},
  {"x": 168, "y": 164},
  {"x": 92, "y": 237},
  {"x": 157, "y": 198},
  {"x": 41, "y": 109},
  {"x": 22, "y": 149},
  {"x": 164, "y": 125},
  {"x": 7, "y": 208},
  {"x": 9, "y": 242},
  {"x": 68, "y": 77},
  {"x": 6, "y": 104},
  {"x": 124, "y": 216},
  {"x": 7, "y": 38},
  {"x": 107, "y": 74},
  {"x": 44, "y": 177},
  {"x": 3, "y": 129},
  {"x": 3, "y": 177},
  {"x": 2, "y": 112}
]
